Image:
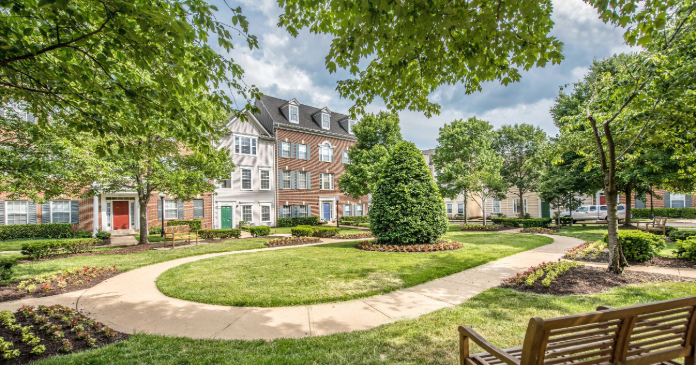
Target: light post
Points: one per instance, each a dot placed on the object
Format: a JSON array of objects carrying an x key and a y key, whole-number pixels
[{"x": 162, "y": 195}]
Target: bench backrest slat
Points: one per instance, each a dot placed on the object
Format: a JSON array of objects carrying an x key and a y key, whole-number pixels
[
  {"x": 176, "y": 229},
  {"x": 637, "y": 335}
]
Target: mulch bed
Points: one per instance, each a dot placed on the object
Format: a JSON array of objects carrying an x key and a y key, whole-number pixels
[
  {"x": 10, "y": 292},
  {"x": 292, "y": 241},
  {"x": 439, "y": 246},
  {"x": 61, "y": 317},
  {"x": 660, "y": 261},
  {"x": 591, "y": 280}
]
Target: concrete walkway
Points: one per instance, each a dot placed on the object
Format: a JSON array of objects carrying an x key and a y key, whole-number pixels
[{"x": 131, "y": 302}]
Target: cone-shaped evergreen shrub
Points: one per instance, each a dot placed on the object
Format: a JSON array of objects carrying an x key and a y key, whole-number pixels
[{"x": 406, "y": 206}]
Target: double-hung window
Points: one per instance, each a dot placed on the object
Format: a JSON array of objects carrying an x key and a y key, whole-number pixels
[
  {"x": 16, "y": 212},
  {"x": 225, "y": 184},
  {"x": 359, "y": 209},
  {"x": 326, "y": 152},
  {"x": 294, "y": 114},
  {"x": 325, "y": 121},
  {"x": 449, "y": 208},
  {"x": 265, "y": 179},
  {"x": 246, "y": 213},
  {"x": 677, "y": 200},
  {"x": 302, "y": 152},
  {"x": 351, "y": 124},
  {"x": 170, "y": 209},
  {"x": 346, "y": 210},
  {"x": 286, "y": 211},
  {"x": 496, "y": 206},
  {"x": 285, "y": 149},
  {"x": 245, "y": 145},
  {"x": 302, "y": 180},
  {"x": 327, "y": 181},
  {"x": 460, "y": 208},
  {"x": 60, "y": 211},
  {"x": 197, "y": 208},
  {"x": 287, "y": 180},
  {"x": 265, "y": 213},
  {"x": 515, "y": 206},
  {"x": 344, "y": 157},
  {"x": 246, "y": 179},
  {"x": 302, "y": 211},
  {"x": 524, "y": 202}
]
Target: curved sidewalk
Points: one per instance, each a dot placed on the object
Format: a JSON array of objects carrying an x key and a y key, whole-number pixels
[{"x": 131, "y": 302}]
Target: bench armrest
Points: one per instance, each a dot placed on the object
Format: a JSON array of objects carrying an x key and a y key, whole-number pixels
[{"x": 501, "y": 355}]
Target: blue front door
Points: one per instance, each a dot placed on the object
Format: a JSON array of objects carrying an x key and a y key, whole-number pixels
[{"x": 327, "y": 212}]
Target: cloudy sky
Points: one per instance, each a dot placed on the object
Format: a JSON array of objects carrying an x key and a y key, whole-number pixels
[{"x": 288, "y": 67}]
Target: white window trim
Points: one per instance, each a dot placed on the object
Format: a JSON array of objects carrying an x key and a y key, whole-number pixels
[
  {"x": 289, "y": 175},
  {"x": 270, "y": 180},
  {"x": 321, "y": 180},
  {"x": 499, "y": 210},
  {"x": 328, "y": 121},
  {"x": 298, "y": 151},
  {"x": 164, "y": 209},
  {"x": 52, "y": 210},
  {"x": 298, "y": 174},
  {"x": 525, "y": 206},
  {"x": 350, "y": 125},
  {"x": 297, "y": 113},
  {"x": 330, "y": 147},
  {"x": 448, "y": 209},
  {"x": 682, "y": 200},
  {"x": 253, "y": 141},
  {"x": 26, "y": 212},
  {"x": 241, "y": 212},
  {"x": 282, "y": 211},
  {"x": 282, "y": 144},
  {"x": 270, "y": 212},
  {"x": 460, "y": 205},
  {"x": 349, "y": 210},
  {"x": 361, "y": 210},
  {"x": 241, "y": 178},
  {"x": 231, "y": 184}
]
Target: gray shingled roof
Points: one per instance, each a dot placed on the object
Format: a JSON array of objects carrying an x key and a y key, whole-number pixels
[{"x": 271, "y": 106}]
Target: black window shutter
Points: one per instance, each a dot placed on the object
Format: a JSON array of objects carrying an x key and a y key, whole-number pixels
[
  {"x": 2, "y": 213},
  {"x": 46, "y": 212},
  {"x": 74, "y": 212},
  {"x": 180, "y": 209},
  {"x": 31, "y": 216}
]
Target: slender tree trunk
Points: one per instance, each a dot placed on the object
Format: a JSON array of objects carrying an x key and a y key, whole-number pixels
[
  {"x": 483, "y": 209},
  {"x": 629, "y": 193},
  {"x": 521, "y": 205},
  {"x": 466, "y": 207},
  {"x": 143, "y": 200}
]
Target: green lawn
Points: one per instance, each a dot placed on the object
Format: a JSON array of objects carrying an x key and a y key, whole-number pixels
[
  {"x": 332, "y": 272},
  {"x": 286, "y": 230},
  {"x": 135, "y": 260},
  {"x": 500, "y": 315},
  {"x": 591, "y": 234},
  {"x": 14, "y": 245}
]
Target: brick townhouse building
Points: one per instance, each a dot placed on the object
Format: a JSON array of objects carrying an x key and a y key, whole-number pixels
[
  {"x": 662, "y": 199},
  {"x": 311, "y": 150}
]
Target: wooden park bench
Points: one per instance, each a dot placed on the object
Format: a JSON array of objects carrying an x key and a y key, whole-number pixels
[
  {"x": 655, "y": 333},
  {"x": 659, "y": 224},
  {"x": 178, "y": 233}
]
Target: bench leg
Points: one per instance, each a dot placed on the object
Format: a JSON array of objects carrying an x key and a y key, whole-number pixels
[{"x": 464, "y": 349}]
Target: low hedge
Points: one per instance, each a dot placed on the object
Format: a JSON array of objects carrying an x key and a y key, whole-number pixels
[
  {"x": 7, "y": 268},
  {"x": 48, "y": 230},
  {"x": 507, "y": 222},
  {"x": 644, "y": 213},
  {"x": 309, "y": 231},
  {"x": 536, "y": 223},
  {"x": 354, "y": 220},
  {"x": 298, "y": 221},
  {"x": 44, "y": 248},
  {"x": 208, "y": 234},
  {"x": 302, "y": 231},
  {"x": 260, "y": 231},
  {"x": 194, "y": 224},
  {"x": 687, "y": 248},
  {"x": 680, "y": 235},
  {"x": 638, "y": 245}
]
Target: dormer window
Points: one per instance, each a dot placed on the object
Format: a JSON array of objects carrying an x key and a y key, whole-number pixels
[
  {"x": 294, "y": 117},
  {"x": 351, "y": 124},
  {"x": 325, "y": 121}
]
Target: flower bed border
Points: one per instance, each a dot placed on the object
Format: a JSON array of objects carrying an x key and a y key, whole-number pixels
[
  {"x": 440, "y": 246},
  {"x": 538, "y": 230},
  {"x": 292, "y": 241},
  {"x": 480, "y": 228},
  {"x": 355, "y": 236}
]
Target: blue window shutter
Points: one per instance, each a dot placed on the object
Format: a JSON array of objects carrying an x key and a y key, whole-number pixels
[
  {"x": 363, "y": 209},
  {"x": 668, "y": 203},
  {"x": 292, "y": 211},
  {"x": 307, "y": 152},
  {"x": 292, "y": 179},
  {"x": 180, "y": 209},
  {"x": 280, "y": 179},
  {"x": 2, "y": 213},
  {"x": 293, "y": 148},
  {"x": 309, "y": 211},
  {"x": 352, "y": 209},
  {"x": 309, "y": 181},
  {"x": 74, "y": 212},
  {"x": 31, "y": 213},
  {"x": 687, "y": 201},
  {"x": 159, "y": 209},
  {"x": 280, "y": 149},
  {"x": 46, "y": 212}
]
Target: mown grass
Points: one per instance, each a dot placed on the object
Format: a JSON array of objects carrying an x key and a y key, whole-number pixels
[
  {"x": 135, "y": 260},
  {"x": 332, "y": 272},
  {"x": 500, "y": 315},
  {"x": 591, "y": 234}
]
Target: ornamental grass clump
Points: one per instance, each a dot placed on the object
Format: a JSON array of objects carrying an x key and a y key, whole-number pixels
[
  {"x": 547, "y": 272},
  {"x": 407, "y": 208}
]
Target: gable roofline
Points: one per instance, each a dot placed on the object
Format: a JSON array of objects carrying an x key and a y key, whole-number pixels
[
  {"x": 277, "y": 114},
  {"x": 252, "y": 119},
  {"x": 316, "y": 132}
]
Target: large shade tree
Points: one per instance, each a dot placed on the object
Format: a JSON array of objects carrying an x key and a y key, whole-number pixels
[
  {"x": 376, "y": 135},
  {"x": 646, "y": 99},
  {"x": 406, "y": 205}
]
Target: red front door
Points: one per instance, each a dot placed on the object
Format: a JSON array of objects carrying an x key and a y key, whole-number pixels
[{"x": 121, "y": 215}]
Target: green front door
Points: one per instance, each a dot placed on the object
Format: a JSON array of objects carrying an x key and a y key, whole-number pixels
[
  {"x": 545, "y": 210},
  {"x": 226, "y": 217}
]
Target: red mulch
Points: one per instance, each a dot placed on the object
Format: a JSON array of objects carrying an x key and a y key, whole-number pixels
[{"x": 591, "y": 280}]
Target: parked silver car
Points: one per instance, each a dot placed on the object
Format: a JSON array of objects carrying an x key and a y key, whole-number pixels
[{"x": 594, "y": 213}]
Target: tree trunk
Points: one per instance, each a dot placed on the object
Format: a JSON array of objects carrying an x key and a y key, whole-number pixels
[
  {"x": 629, "y": 192},
  {"x": 483, "y": 209},
  {"x": 521, "y": 206},
  {"x": 617, "y": 261},
  {"x": 143, "y": 200},
  {"x": 466, "y": 207}
]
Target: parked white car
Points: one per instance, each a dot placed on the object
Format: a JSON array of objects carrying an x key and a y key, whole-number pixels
[{"x": 594, "y": 213}]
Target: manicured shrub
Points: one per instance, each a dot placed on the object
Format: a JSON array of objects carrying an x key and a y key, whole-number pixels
[
  {"x": 260, "y": 231},
  {"x": 194, "y": 224},
  {"x": 48, "y": 230},
  {"x": 44, "y": 248},
  {"x": 81, "y": 233},
  {"x": 155, "y": 231},
  {"x": 507, "y": 222},
  {"x": 640, "y": 213},
  {"x": 638, "y": 245},
  {"x": 686, "y": 248},
  {"x": 538, "y": 222},
  {"x": 406, "y": 205},
  {"x": 208, "y": 234},
  {"x": 7, "y": 267},
  {"x": 681, "y": 235},
  {"x": 688, "y": 213},
  {"x": 298, "y": 221},
  {"x": 106, "y": 235},
  {"x": 243, "y": 225},
  {"x": 355, "y": 220},
  {"x": 325, "y": 232},
  {"x": 302, "y": 231},
  {"x": 566, "y": 220}
]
